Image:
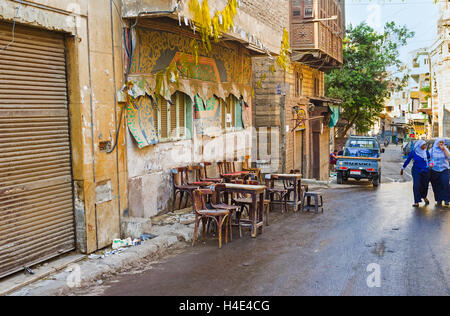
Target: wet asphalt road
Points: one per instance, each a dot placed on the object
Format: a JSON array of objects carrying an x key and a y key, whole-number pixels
[{"x": 308, "y": 254}]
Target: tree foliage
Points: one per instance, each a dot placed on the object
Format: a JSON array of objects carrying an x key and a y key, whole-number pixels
[{"x": 365, "y": 78}]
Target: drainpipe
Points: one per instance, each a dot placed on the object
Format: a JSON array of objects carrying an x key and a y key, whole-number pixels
[
  {"x": 283, "y": 131},
  {"x": 283, "y": 123}
]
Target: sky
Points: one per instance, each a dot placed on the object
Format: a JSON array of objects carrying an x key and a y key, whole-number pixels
[{"x": 420, "y": 16}]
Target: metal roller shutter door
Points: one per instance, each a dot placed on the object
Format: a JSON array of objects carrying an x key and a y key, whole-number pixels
[{"x": 36, "y": 199}]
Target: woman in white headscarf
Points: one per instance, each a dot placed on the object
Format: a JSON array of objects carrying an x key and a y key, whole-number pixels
[
  {"x": 420, "y": 171},
  {"x": 439, "y": 172}
]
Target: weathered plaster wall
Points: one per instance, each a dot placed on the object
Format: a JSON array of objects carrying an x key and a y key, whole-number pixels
[
  {"x": 264, "y": 19},
  {"x": 267, "y": 111},
  {"x": 150, "y": 177},
  {"x": 325, "y": 154},
  {"x": 440, "y": 55},
  {"x": 94, "y": 73},
  {"x": 59, "y": 15}
]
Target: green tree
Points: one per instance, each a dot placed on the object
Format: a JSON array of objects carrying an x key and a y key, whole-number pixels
[{"x": 363, "y": 82}]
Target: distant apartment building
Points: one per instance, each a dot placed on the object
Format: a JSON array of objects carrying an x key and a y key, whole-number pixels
[
  {"x": 408, "y": 110},
  {"x": 440, "y": 55}
]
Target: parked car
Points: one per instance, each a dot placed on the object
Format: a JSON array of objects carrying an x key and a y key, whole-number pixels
[{"x": 361, "y": 160}]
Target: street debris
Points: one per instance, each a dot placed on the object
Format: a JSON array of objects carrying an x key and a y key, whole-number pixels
[
  {"x": 145, "y": 237},
  {"x": 121, "y": 245},
  {"x": 29, "y": 271}
]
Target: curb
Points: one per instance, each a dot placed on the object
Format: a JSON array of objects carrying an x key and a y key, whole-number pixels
[{"x": 92, "y": 270}]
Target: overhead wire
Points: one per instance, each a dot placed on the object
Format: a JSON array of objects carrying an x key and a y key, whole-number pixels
[
  {"x": 13, "y": 28},
  {"x": 122, "y": 110}
]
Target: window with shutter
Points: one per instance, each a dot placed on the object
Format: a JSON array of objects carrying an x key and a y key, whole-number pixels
[
  {"x": 173, "y": 110},
  {"x": 296, "y": 8},
  {"x": 229, "y": 114},
  {"x": 189, "y": 117},
  {"x": 309, "y": 9},
  {"x": 175, "y": 120},
  {"x": 163, "y": 122},
  {"x": 239, "y": 112},
  {"x": 223, "y": 110},
  {"x": 182, "y": 115},
  {"x": 233, "y": 111}
]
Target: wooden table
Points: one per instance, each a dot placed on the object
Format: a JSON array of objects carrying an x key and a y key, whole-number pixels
[
  {"x": 228, "y": 177},
  {"x": 296, "y": 180},
  {"x": 257, "y": 209}
]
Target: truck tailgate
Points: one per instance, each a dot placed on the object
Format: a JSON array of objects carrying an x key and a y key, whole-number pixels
[{"x": 357, "y": 163}]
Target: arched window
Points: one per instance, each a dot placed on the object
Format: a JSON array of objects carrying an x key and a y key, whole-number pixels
[{"x": 174, "y": 118}]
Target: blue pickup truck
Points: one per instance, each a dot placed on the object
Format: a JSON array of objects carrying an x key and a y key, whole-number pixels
[{"x": 361, "y": 160}]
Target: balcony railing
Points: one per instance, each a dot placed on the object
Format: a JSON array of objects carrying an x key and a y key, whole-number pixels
[{"x": 317, "y": 32}]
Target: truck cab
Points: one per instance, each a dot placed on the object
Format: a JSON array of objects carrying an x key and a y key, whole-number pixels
[{"x": 361, "y": 160}]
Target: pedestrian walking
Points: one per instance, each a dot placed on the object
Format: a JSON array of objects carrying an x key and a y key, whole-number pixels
[
  {"x": 333, "y": 160},
  {"x": 420, "y": 171},
  {"x": 440, "y": 175}
]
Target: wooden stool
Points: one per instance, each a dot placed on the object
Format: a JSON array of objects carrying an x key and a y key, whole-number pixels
[{"x": 318, "y": 199}]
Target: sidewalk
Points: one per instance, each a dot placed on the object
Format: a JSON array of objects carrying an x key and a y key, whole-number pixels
[{"x": 174, "y": 233}]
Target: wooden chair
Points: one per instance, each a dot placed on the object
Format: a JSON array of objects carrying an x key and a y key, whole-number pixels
[
  {"x": 305, "y": 187},
  {"x": 245, "y": 203},
  {"x": 247, "y": 167},
  {"x": 219, "y": 216},
  {"x": 198, "y": 179},
  {"x": 181, "y": 186},
  {"x": 227, "y": 171},
  {"x": 266, "y": 202},
  {"x": 273, "y": 192},
  {"x": 289, "y": 185},
  {"x": 204, "y": 174},
  {"x": 225, "y": 167},
  {"x": 217, "y": 202}
]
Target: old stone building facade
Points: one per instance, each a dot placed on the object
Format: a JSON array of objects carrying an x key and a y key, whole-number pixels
[
  {"x": 60, "y": 189},
  {"x": 108, "y": 161},
  {"x": 440, "y": 56},
  {"x": 219, "y": 124},
  {"x": 87, "y": 146},
  {"x": 292, "y": 115}
]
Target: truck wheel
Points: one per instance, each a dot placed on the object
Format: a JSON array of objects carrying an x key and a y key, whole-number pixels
[
  {"x": 340, "y": 178},
  {"x": 376, "y": 181}
]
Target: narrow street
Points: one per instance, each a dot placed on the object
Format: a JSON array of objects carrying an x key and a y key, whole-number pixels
[
  {"x": 115, "y": 114},
  {"x": 308, "y": 254}
]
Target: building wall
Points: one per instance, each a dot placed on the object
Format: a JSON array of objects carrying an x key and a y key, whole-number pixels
[
  {"x": 150, "y": 168},
  {"x": 261, "y": 19},
  {"x": 271, "y": 13},
  {"x": 302, "y": 101},
  {"x": 267, "y": 114},
  {"x": 440, "y": 56},
  {"x": 94, "y": 73},
  {"x": 325, "y": 154}
]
